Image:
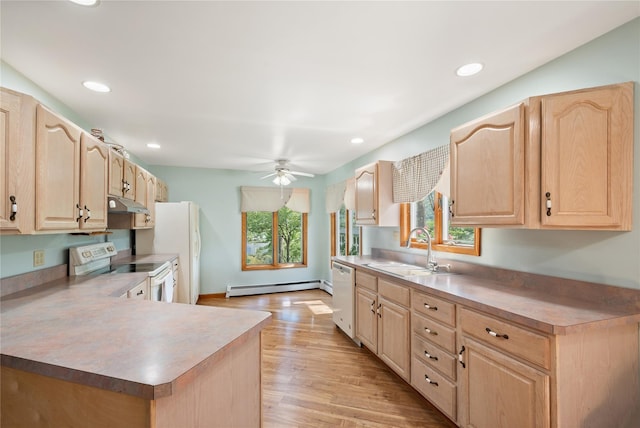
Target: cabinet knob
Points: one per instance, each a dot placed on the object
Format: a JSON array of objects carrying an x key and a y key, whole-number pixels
[
  {"x": 548, "y": 195},
  {"x": 494, "y": 334},
  {"x": 14, "y": 208},
  {"x": 429, "y": 381},
  {"x": 431, "y": 308}
]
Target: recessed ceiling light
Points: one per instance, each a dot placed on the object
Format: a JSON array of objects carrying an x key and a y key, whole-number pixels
[
  {"x": 357, "y": 140},
  {"x": 96, "y": 86},
  {"x": 153, "y": 145},
  {"x": 85, "y": 2},
  {"x": 469, "y": 69}
]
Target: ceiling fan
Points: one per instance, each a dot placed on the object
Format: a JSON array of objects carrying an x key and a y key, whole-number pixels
[{"x": 283, "y": 176}]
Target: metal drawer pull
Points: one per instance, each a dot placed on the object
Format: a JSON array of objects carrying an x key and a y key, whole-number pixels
[
  {"x": 14, "y": 208},
  {"x": 431, "y": 357},
  {"x": 140, "y": 292},
  {"x": 373, "y": 305},
  {"x": 429, "y": 331},
  {"x": 426, "y": 377},
  {"x": 460, "y": 358},
  {"x": 433, "y": 308},
  {"x": 494, "y": 334}
]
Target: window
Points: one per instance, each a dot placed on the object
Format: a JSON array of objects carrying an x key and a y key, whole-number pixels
[
  {"x": 274, "y": 240},
  {"x": 345, "y": 235},
  {"x": 430, "y": 214}
]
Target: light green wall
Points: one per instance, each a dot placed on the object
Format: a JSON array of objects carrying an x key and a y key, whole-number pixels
[
  {"x": 606, "y": 257},
  {"x": 603, "y": 257},
  {"x": 217, "y": 192}
]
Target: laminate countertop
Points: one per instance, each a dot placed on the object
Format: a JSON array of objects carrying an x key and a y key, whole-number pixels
[
  {"x": 81, "y": 330},
  {"x": 548, "y": 304}
]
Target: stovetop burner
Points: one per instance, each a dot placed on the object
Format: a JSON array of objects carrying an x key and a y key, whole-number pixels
[{"x": 136, "y": 267}]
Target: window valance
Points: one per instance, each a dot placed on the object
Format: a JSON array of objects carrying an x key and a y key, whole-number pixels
[
  {"x": 341, "y": 193},
  {"x": 416, "y": 177},
  {"x": 271, "y": 199}
]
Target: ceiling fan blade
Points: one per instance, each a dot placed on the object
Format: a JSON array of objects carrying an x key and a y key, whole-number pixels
[
  {"x": 303, "y": 174},
  {"x": 290, "y": 177},
  {"x": 268, "y": 175}
]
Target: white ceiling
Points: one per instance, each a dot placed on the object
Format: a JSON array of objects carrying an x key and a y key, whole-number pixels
[{"x": 239, "y": 84}]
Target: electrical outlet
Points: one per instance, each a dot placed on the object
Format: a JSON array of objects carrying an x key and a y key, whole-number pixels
[{"x": 38, "y": 258}]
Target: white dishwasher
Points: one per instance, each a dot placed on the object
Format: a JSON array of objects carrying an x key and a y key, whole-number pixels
[{"x": 343, "y": 281}]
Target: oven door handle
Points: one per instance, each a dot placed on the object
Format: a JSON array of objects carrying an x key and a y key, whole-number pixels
[{"x": 160, "y": 278}]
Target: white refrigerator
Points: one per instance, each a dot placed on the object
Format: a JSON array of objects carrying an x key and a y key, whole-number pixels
[{"x": 177, "y": 230}]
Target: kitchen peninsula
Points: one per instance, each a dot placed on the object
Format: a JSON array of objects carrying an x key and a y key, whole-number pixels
[{"x": 76, "y": 353}]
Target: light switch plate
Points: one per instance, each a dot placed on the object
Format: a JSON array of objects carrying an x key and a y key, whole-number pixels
[{"x": 38, "y": 258}]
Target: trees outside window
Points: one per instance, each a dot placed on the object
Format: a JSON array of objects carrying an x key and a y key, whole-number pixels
[
  {"x": 433, "y": 214},
  {"x": 274, "y": 240}
]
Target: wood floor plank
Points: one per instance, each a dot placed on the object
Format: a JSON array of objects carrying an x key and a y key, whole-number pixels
[{"x": 313, "y": 375}]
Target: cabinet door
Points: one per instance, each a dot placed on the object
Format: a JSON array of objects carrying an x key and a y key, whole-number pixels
[
  {"x": 16, "y": 163},
  {"x": 394, "y": 331},
  {"x": 487, "y": 170},
  {"x": 496, "y": 391},
  {"x": 151, "y": 200},
  {"x": 367, "y": 318},
  {"x": 129, "y": 178},
  {"x": 141, "y": 176},
  {"x": 587, "y": 158},
  {"x": 117, "y": 185},
  {"x": 94, "y": 175},
  {"x": 366, "y": 195},
  {"x": 57, "y": 172}
]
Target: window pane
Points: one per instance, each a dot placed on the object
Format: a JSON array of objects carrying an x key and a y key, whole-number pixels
[
  {"x": 342, "y": 232},
  {"x": 259, "y": 238},
  {"x": 455, "y": 235},
  {"x": 422, "y": 215},
  {"x": 289, "y": 236},
  {"x": 354, "y": 236}
]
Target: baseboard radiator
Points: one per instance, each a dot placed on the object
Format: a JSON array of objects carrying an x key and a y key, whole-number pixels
[{"x": 249, "y": 290}]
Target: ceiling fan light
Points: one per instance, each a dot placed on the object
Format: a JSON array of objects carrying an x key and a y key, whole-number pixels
[{"x": 281, "y": 180}]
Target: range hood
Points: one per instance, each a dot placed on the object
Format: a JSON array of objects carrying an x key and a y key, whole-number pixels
[{"x": 123, "y": 205}]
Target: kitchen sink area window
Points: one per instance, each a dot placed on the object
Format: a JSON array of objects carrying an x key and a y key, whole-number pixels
[
  {"x": 421, "y": 185},
  {"x": 432, "y": 213},
  {"x": 274, "y": 228}
]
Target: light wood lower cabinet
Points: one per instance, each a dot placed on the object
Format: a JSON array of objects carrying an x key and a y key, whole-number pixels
[
  {"x": 383, "y": 321},
  {"x": 497, "y": 391},
  {"x": 225, "y": 392}
]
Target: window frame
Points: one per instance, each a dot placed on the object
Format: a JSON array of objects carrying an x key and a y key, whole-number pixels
[
  {"x": 333, "y": 217},
  {"x": 436, "y": 244},
  {"x": 275, "y": 265}
]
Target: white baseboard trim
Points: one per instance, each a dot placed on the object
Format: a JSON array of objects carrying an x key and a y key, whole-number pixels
[{"x": 249, "y": 290}]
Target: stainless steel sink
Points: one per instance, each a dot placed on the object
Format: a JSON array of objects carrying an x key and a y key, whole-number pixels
[{"x": 401, "y": 269}]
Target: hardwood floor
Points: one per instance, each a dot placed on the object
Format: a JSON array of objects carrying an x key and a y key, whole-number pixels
[{"x": 315, "y": 376}]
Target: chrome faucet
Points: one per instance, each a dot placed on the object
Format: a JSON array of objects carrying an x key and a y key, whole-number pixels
[{"x": 431, "y": 262}]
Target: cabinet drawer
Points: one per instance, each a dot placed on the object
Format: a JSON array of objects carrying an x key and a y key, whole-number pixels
[
  {"x": 434, "y": 332},
  {"x": 367, "y": 281},
  {"x": 433, "y": 307},
  {"x": 434, "y": 387},
  {"x": 138, "y": 292},
  {"x": 435, "y": 357},
  {"x": 394, "y": 292},
  {"x": 517, "y": 341}
]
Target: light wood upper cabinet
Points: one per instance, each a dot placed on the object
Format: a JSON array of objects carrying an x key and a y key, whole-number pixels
[
  {"x": 71, "y": 178},
  {"x": 162, "y": 191},
  {"x": 561, "y": 161},
  {"x": 122, "y": 176},
  {"x": 490, "y": 151},
  {"x": 57, "y": 172},
  {"x": 587, "y": 158},
  {"x": 94, "y": 174},
  {"x": 145, "y": 195},
  {"x": 374, "y": 195},
  {"x": 17, "y": 115}
]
